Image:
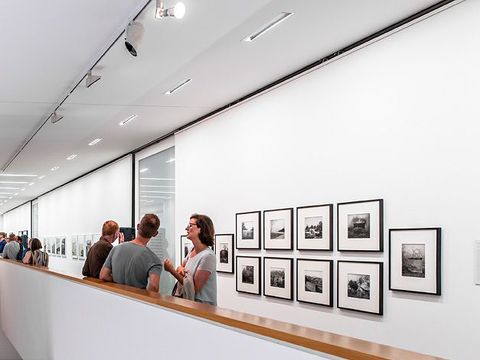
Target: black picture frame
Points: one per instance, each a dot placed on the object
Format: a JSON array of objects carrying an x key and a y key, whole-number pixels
[
  {"x": 242, "y": 242},
  {"x": 253, "y": 287},
  {"x": 359, "y": 270},
  {"x": 223, "y": 267},
  {"x": 284, "y": 290},
  {"x": 283, "y": 241},
  {"x": 327, "y": 299},
  {"x": 326, "y": 210},
  {"x": 365, "y": 240},
  {"x": 421, "y": 272}
]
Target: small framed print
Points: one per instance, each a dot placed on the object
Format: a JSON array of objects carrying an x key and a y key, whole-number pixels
[
  {"x": 414, "y": 260},
  {"x": 74, "y": 248},
  {"x": 278, "y": 277},
  {"x": 315, "y": 281},
  {"x": 46, "y": 245},
  {"x": 81, "y": 247},
  {"x": 224, "y": 252},
  {"x": 315, "y": 227},
  {"x": 360, "y": 286},
  {"x": 278, "y": 229},
  {"x": 248, "y": 230},
  {"x": 360, "y": 226},
  {"x": 248, "y": 274},
  {"x": 186, "y": 246}
]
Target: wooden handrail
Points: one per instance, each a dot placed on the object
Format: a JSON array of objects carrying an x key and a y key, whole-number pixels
[{"x": 322, "y": 341}]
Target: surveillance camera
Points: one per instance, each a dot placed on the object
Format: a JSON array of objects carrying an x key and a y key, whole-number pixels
[{"x": 133, "y": 36}]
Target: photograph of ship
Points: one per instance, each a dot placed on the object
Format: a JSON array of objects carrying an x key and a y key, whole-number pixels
[
  {"x": 247, "y": 274},
  {"x": 313, "y": 227},
  {"x": 358, "y": 226},
  {"x": 358, "y": 286},
  {"x": 314, "y": 281},
  {"x": 277, "y": 229},
  {"x": 247, "y": 230},
  {"x": 413, "y": 260},
  {"x": 277, "y": 277}
]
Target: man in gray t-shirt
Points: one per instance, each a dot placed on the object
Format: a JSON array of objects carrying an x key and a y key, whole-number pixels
[
  {"x": 11, "y": 250},
  {"x": 132, "y": 263}
]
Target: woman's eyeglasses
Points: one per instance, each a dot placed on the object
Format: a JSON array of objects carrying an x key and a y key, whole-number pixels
[{"x": 190, "y": 225}]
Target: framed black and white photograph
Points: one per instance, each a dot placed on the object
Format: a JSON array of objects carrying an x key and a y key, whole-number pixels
[
  {"x": 278, "y": 277},
  {"x": 52, "y": 246},
  {"x": 249, "y": 274},
  {"x": 58, "y": 246},
  {"x": 315, "y": 227},
  {"x": 224, "y": 252},
  {"x": 315, "y": 281},
  {"x": 186, "y": 246},
  {"x": 247, "y": 226},
  {"x": 88, "y": 243},
  {"x": 81, "y": 247},
  {"x": 360, "y": 286},
  {"x": 74, "y": 247},
  {"x": 278, "y": 229},
  {"x": 414, "y": 260},
  {"x": 360, "y": 226}
]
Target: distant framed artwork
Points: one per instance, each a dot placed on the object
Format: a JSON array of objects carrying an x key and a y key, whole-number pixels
[
  {"x": 278, "y": 277},
  {"x": 46, "y": 245},
  {"x": 52, "y": 246},
  {"x": 315, "y": 227},
  {"x": 414, "y": 260},
  {"x": 315, "y": 281},
  {"x": 58, "y": 246},
  {"x": 74, "y": 247},
  {"x": 248, "y": 274},
  {"x": 360, "y": 286},
  {"x": 81, "y": 247},
  {"x": 360, "y": 226},
  {"x": 186, "y": 246},
  {"x": 88, "y": 243},
  {"x": 247, "y": 233},
  {"x": 278, "y": 229},
  {"x": 224, "y": 252}
]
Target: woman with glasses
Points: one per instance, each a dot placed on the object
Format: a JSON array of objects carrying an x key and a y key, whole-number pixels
[{"x": 199, "y": 270}]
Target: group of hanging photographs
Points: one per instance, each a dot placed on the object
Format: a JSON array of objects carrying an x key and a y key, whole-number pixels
[
  {"x": 56, "y": 246},
  {"x": 414, "y": 255}
]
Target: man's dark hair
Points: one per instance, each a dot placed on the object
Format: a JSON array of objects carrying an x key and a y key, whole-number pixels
[
  {"x": 207, "y": 231},
  {"x": 148, "y": 226}
]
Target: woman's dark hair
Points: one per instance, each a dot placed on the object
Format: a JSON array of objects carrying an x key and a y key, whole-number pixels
[
  {"x": 207, "y": 231},
  {"x": 35, "y": 245}
]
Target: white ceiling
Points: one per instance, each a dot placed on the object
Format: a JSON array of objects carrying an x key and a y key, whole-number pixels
[{"x": 51, "y": 45}]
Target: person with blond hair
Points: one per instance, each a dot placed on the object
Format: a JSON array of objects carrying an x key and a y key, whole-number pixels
[{"x": 98, "y": 253}]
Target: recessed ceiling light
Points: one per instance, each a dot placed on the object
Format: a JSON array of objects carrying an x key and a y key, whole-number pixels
[
  {"x": 23, "y": 189},
  {"x": 13, "y": 182},
  {"x": 5, "y": 193},
  {"x": 268, "y": 26},
  {"x": 93, "y": 142},
  {"x": 143, "y": 170},
  {"x": 127, "y": 120},
  {"x": 18, "y": 175},
  {"x": 178, "y": 87},
  {"x": 32, "y": 183},
  {"x": 55, "y": 168},
  {"x": 41, "y": 177},
  {"x": 71, "y": 157},
  {"x": 15, "y": 194},
  {"x": 9, "y": 188},
  {"x": 170, "y": 160}
]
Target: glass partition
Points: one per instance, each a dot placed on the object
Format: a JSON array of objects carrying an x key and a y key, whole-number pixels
[{"x": 156, "y": 194}]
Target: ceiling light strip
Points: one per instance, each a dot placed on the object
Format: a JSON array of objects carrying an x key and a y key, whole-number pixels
[
  {"x": 94, "y": 142},
  {"x": 268, "y": 26},
  {"x": 127, "y": 120},
  {"x": 178, "y": 87}
]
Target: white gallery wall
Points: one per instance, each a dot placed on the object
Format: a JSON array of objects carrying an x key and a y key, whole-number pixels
[
  {"x": 396, "y": 120},
  {"x": 81, "y": 208},
  {"x": 17, "y": 219}
]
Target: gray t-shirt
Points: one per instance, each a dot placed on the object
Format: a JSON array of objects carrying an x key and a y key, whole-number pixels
[
  {"x": 205, "y": 260},
  {"x": 131, "y": 264},
  {"x": 10, "y": 251}
]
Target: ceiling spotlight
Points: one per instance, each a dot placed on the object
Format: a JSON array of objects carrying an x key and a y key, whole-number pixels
[
  {"x": 178, "y": 87},
  {"x": 268, "y": 26},
  {"x": 93, "y": 142},
  {"x": 55, "y": 168},
  {"x": 55, "y": 117},
  {"x": 143, "y": 170},
  {"x": 71, "y": 157},
  {"x": 127, "y": 120},
  {"x": 133, "y": 37},
  {"x": 178, "y": 11},
  {"x": 41, "y": 177},
  {"x": 91, "y": 79}
]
